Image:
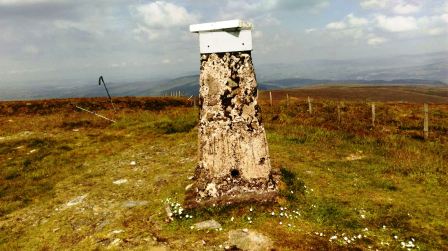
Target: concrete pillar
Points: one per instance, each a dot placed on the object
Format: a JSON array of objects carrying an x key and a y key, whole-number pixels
[{"x": 234, "y": 164}]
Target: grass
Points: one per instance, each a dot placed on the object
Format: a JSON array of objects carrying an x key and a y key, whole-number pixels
[{"x": 344, "y": 180}]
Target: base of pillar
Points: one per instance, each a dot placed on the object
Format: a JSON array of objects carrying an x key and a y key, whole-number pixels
[
  {"x": 253, "y": 197},
  {"x": 229, "y": 192}
]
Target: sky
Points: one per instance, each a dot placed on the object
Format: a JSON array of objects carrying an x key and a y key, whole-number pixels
[{"x": 53, "y": 40}]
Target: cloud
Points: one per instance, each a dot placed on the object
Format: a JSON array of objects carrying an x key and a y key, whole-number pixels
[
  {"x": 25, "y": 2},
  {"x": 161, "y": 14},
  {"x": 310, "y": 30},
  {"x": 31, "y": 50},
  {"x": 445, "y": 17},
  {"x": 399, "y": 7},
  {"x": 356, "y": 21},
  {"x": 436, "y": 31},
  {"x": 37, "y": 10},
  {"x": 350, "y": 21},
  {"x": 358, "y": 29},
  {"x": 434, "y": 25},
  {"x": 372, "y": 4},
  {"x": 263, "y": 6},
  {"x": 156, "y": 20},
  {"x": 405, "y": 9},
  {"x": 375, "y": 40},
  {"x": 336, "y": 26},
  {"x": 257, "y": 34},
  {"x": 396, "y": 23}
]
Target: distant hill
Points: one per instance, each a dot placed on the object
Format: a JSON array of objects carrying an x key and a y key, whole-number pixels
[
  {"x": 364, "y": 93},
  {"x": 422, "y": 69},
  {"x": 189, "y": 85}
]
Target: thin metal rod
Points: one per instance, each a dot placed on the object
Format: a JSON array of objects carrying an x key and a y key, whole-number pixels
[
  {"x": 426, "y": 121},
  {"x": 96, "y": 114},
  {"x": 107, "y": 91}
]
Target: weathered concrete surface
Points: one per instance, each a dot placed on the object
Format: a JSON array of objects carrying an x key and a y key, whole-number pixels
[{"x": 234, "y": 163}]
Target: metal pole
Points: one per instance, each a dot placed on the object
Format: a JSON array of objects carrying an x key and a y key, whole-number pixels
[
  {"x": 101, "y": 79},
  {"x": 426, "y": 122},
  {"x": 339, "y": 113}
]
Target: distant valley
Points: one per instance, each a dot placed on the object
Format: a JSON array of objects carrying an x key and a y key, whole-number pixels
[{"x": 427, "y": 69}]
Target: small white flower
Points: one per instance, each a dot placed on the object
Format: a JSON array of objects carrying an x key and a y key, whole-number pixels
[
  {"x": 251, "y": 209},
  {"x": 395, "y": 237},
  {"x": 272, "y": 213},
  {"x": 231, "y": 219},
  {"x": 280, "y": 223},
  {"x": 363, "y": 216}
]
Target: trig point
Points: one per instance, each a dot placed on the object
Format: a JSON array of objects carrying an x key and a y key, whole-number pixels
[{"x": 234, "y": 164}]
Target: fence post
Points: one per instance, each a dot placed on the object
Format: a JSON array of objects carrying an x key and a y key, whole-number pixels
[
  {"x": 310, "y": 107},
  {"x": 373, "y": 114},
  {"x": 287, "y": 100},
  {"x": 339, "y": 112},
  {"x": 426, "y": 122},
  {"x": 270, "y": 98}
]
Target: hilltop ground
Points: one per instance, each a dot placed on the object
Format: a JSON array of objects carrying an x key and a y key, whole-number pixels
[{"x": 70, "y": 180}]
